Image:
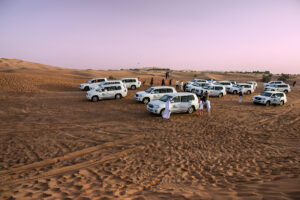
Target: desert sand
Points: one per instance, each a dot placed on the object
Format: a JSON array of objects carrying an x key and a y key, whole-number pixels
[{"x": 57, "y": 145}]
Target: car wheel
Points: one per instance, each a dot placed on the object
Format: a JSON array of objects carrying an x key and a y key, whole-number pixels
[
  {"x": 146, "y": 100},
  {"x": 285, "y": 91},
  {"x": 267, "y": 103},
  {"x": 162, "y": 112},
  {"x": 190, "y": 110},
  {"x": 86, "y": 88},
  {"x": 248, "y": 92},
  {"x": 118, "y": 96},
  {"x": 220, "y": 95},
  {"x": 133, "y": 87},
  {"x": 95, "y": 99},
  {"x": 281, "y": 103},
  {"x": 234, "y": 92}
]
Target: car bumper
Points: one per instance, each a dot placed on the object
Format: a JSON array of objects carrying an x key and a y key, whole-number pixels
[
  {"x": 259, "y": 101},
  {"x": 88, "y": 97},
  {"x": 153, "y": 110},
  {"x": 138, "y": 98}
]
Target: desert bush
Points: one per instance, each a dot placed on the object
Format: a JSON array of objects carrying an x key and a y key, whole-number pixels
[
  {"x": 111, "y": 77},
  {"x": 266, "y": 78},
  {"x": 284, "y": 77}
]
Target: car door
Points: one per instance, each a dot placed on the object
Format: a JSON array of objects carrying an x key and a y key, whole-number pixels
[
  {"x": 185, "y": 103},
  {"x": 275, "y": 98},
  {"x": 211, "y": 91},
  {"x": 110, "y": 94},
  {"x": 162, "y": 92},
  {"x": 175, "y": 104},
  {"x": 156, "y": 94}
]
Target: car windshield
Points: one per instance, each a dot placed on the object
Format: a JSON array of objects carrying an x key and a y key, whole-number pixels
[
  {"x": 99, "y": 89},
  {"x": 165, "y": 98},
  {"x": 266, "y": 94},
  {"x": 149, "y": 90}
]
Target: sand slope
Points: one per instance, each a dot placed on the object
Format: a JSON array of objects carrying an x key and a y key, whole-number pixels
[{"x": 57, "y": 145}]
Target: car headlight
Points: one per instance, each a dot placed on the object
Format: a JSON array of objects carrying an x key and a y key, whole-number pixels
[{"x": 156, "y": 106}]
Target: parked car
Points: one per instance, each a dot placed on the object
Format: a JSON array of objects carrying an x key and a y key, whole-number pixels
[
  {"x": 279, "y": 87},
  {"x": 248, "y": 89},
  {"x": 192, "y": 87},
  {"x": 253, "y": 83},
  {"x": 154, "y": 93},
  {"x": 270, "y": 97},
  {"x": 273, "y": 83},
  {"x": 116, "y": 91},
  {"x": 107, "y": 83},
  {"x": 131, "y": 83},
  {"x": 86, "y": 86},
  {"x": 196, "y": 81},
  {"x": 213, "y": 90},
  {"x": 225, "y": 83},
  {"x": 180, "y": 103}
]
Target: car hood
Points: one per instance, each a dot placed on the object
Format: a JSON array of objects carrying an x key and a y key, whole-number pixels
[
  {"x": 157, "y": 102},
  {"x": 141, "y": 93},
  {"x": 260, "y": 96}
]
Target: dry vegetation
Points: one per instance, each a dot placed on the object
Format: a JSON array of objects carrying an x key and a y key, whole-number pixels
[{"x": 57, "y": 145}]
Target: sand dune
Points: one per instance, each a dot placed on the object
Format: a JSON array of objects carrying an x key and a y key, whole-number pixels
[{"x": 57, "y": 145}]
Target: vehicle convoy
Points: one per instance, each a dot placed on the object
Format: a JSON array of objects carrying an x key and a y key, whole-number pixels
[
  {"x": 154, "y": 93},
  {"x": 106, "y": 83},
  {"x": 248, "y": 88},
  {"x": 270, "y": 97},
  {"x": 213, "y": 90},
  {"x": 131, "y": 83},
  {"x": 194, "y": 86},
  {"x": 253, "y": 83},
  {"x": 115, "y": 91},
  {"x": 279, "y": 87},
  {"x": 86, "y": 86},
  {"x": 180, "y": 103},
  {"x": 273, "y": 83}
]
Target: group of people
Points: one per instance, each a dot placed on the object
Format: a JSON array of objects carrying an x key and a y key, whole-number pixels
[{"x": 180, "y": 85}]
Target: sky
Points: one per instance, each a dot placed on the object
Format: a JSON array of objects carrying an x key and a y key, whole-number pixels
[{"x": 220, "y": 35}]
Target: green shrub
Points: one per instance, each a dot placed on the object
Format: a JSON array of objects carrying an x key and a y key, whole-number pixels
[
  {"x": 284, "y": 77},
  {"x": 266, "y": 78}
]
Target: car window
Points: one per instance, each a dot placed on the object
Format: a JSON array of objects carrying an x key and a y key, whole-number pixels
[
  {"x": 176, "y": 99},
  {"x": 185, "y": 99},
  {"x": 118, "y": 87},
  {"x": 169, "y": 90},
  {"x": 218, "y": 88},
  {"x": 164, "y": 90},
  {"x": 156, "y": 91},
  {"x": 133, "y": 80},
  {"x": 123, "y": 81},
  {"x": 191, "y": 97},
  {"x": 93, "y": 81}
]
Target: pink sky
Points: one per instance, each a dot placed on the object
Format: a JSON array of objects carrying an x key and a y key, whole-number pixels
[{"x": 225, "y": 35}]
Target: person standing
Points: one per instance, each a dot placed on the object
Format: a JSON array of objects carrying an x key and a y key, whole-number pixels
[
  {"x": 151, "y": 82},
  {"x": 177, "y": 85},
  {"x": 166, "y": 75},
  {"x": 170, "y": 82},
  {"x": 167, "y": 112},
  {"x": 240, "y": 95},
  {"x": 163, "y": 82},
  {"x": 206, "y": 95},
  {"x": 208, "y": 106},
  {"x": 181, "y": 85},
  {"x": 184, "y": 86},
  {"x": 201, "y": 104},
  {"x": 294, "y": 83}
]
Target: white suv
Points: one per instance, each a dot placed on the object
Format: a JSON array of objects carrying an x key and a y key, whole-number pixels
[
  {"x": 248, "y": 88},
  {"x": 107, "y": 92},
  {"x": 196, "y": 81},
  {"x": 213, "y": 90},
  {"x": 180, "y": 103},
  {"x": 107, "y": 83},
  {"x": 86, "y": 86},
  {"x": 154, "y": 93},
  {"x": 194, "y": 86},
  {"x": 270, "y": 97},
  {"x": 279, "y": 87},
  {"x": 131, "y": 83},
  {"x": 273, "y": 83},
  {"x": 253, "y": 83}
]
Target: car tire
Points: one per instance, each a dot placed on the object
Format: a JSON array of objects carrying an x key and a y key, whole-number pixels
[
  {"x": 86, "y": 88},
  {"x": 162, "y": 112},
  {"x": 281, "y": 103},
  {"x": 146, "y": 100},
  {"x": 248, "y": 92},
  {"x": 190, "y": 110},
  {"x": 268, "y": 103},
  {"x": 118, "y": 96},
  {"x": 95, "y": 99},
  {"x": 234, "y": 92},
  {"x": 285, "y": 91},
  {"x": 133, "y": 87},
  {"x": 220, "y": 95}
]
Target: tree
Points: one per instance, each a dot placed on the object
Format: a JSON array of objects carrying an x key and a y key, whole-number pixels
[
  {"x": 267, "y": 78},
  {"x": 284, "y": 77}
]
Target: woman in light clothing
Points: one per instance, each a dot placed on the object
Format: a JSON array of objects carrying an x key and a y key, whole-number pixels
[
  {"x": 208, "y": 106},
  {"x": 181, "y": 85},
  {"x": 167, "y": 111},
  {"x": 201, "y": 105}
]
